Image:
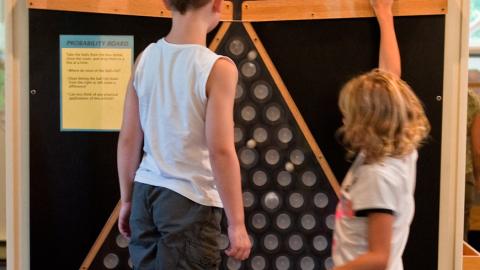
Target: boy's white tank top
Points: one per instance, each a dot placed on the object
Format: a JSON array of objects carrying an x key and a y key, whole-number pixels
[{"x": 170, "y": 81}]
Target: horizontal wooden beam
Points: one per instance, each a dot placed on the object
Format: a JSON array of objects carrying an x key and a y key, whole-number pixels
[
  {"x": 252, "y": 11},
  {"x": 471, "y": 263},
  {"x": 149, "y": 8},
  {"x": 285, "y": 10}
]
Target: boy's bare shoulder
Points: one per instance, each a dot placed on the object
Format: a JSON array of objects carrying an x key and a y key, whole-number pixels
[
  {"x": 224, "y": 76},
  {"x": 224, "y": 66},
  {"x": 224, "y": 73}
]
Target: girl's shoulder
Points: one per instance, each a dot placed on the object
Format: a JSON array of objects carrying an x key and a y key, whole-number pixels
[
  {"x": 391, "y": 169},
  {"x": 389, "y": 163}
]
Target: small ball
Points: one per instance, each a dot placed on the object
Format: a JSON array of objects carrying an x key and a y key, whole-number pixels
[
  {"x": 251, "y": 144},
  {"x": 289, "y": 167},
  {"x": 252, "y": 55}
]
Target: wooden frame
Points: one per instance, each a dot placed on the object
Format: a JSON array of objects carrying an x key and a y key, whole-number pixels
[
  {"x": 454, "y": 121},
  {"x": 252, "y": 11},
  {"x": 18, "y": 226},
  {"x": 17, "y": 134},
  {"x": 283, "y": 10},
  {"x": 149, "y": 8}
]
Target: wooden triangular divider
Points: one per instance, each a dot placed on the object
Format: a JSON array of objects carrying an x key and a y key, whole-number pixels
[
  {"x": 290, "y": 192},
  {"x": 109, "y": 232}
]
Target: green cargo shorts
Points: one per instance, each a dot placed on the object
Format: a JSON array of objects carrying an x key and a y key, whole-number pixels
[{"x": 169, "y": 231}]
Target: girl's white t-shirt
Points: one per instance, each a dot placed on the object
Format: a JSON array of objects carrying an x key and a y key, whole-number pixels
[
  {"x": 170, "y": 81},
  {"x": 379, "y": 187}
]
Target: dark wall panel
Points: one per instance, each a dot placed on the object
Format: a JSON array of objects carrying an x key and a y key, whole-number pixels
[
  {"x": 73, "y": 183},
  {"x": 315, "y": 58},
  {"x": 73, "y": 174}
]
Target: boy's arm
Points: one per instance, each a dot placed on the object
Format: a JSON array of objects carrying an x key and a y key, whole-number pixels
[
  {"x": 221, "y": 87},
  {"x": 379, "y": 237},
  {"x": 389, "y": 59},
  {"x": 129, "y": 148}
]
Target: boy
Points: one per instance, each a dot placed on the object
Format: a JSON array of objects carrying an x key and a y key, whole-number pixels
[{"x": 179, "y": 107}]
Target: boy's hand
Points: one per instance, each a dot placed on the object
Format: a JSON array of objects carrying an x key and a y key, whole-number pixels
[
  {"x": 239, "y": 243},
  {"x": 123, "y": 219}
]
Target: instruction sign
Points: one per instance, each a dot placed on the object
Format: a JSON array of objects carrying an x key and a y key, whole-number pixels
[{"x": 94, "y": 74}]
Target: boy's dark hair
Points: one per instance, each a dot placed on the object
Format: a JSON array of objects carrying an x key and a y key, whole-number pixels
[{"x": 183, "y": 5}]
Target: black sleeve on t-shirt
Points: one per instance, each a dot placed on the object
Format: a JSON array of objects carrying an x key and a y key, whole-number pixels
[{"x": 366, "y": 212}]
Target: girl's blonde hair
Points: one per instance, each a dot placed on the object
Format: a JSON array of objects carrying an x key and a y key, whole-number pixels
[{"x": 381, "y": 116}]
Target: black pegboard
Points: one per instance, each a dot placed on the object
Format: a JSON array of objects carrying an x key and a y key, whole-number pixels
[
  {"x": 255, "y": 109},
  {"x": 73, "y": 175}
]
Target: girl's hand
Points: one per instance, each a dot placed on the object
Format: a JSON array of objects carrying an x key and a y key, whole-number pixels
[
  {"x": 382, "y": 9},
  {"x": 381, "y": 5}
]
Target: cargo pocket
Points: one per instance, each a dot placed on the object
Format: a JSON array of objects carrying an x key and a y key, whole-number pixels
[
  {"x": 202, "y": 256},
  {"x": 202, "y": 249}
]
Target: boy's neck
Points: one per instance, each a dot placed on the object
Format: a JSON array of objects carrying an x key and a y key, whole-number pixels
[{"x": 188, "y": 29}]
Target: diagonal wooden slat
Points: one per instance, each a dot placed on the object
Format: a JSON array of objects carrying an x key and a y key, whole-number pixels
[
  {"x": 219, "y": 36},
  {"x": 112, "y": 221}
]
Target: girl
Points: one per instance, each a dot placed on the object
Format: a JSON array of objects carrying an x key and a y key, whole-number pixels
[{"x": 384, "y": 124}]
